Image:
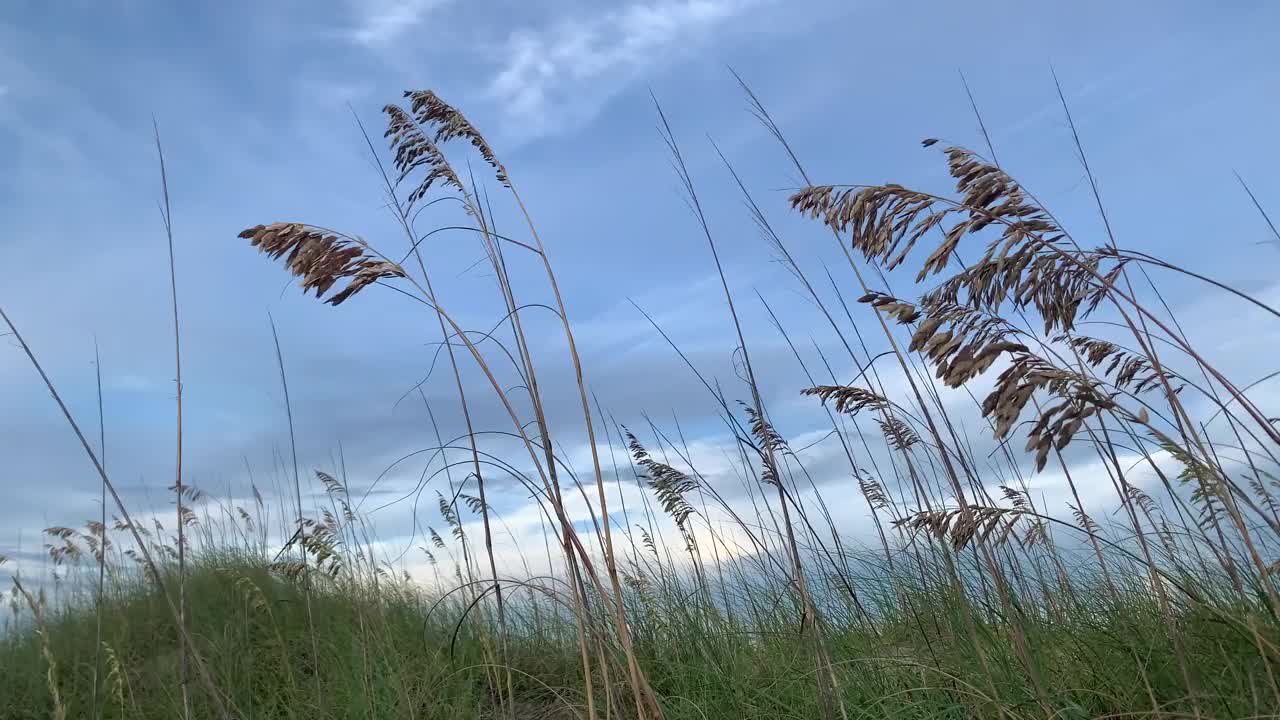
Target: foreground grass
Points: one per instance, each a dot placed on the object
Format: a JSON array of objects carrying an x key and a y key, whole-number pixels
[{"x": 387, "y": 649}]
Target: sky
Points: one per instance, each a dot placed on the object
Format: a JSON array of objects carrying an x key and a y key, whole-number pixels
[{"x": 256, "y": 105}]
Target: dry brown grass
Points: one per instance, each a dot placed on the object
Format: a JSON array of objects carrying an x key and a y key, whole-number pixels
[{"x": 321, "y": 259}]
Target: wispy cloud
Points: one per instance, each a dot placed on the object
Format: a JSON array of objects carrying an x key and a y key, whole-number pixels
[
  {"x": 560, "y": 76},
  {"x": 381, "y": 22}
]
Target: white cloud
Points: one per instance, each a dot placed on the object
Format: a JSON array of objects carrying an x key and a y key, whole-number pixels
[
  {"x": 381, "y": 22},
  {"x": 563, "y": 74}
]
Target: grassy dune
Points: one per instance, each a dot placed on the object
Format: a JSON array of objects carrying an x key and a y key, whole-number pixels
[{"x": 387, "y": 649}]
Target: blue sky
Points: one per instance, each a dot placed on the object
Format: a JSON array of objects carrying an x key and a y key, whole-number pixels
[{"x": 254, "y": 103}]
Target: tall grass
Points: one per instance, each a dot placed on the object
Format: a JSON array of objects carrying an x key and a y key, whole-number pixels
[{"x": 978, "y": 599}]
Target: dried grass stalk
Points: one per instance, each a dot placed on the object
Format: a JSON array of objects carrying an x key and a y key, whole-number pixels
[
  {"x": 900, "y": 435},
  {"x": 961, "y": 525},
  {"x": 669, "y": 484},
  {"x": 450, "y": 124},
  {"x": 321, "y": 258},
  {"x": 1031, "y": 263},
  {"x": 413, "y": 151},
  {"x": 848, "y": 399}
]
